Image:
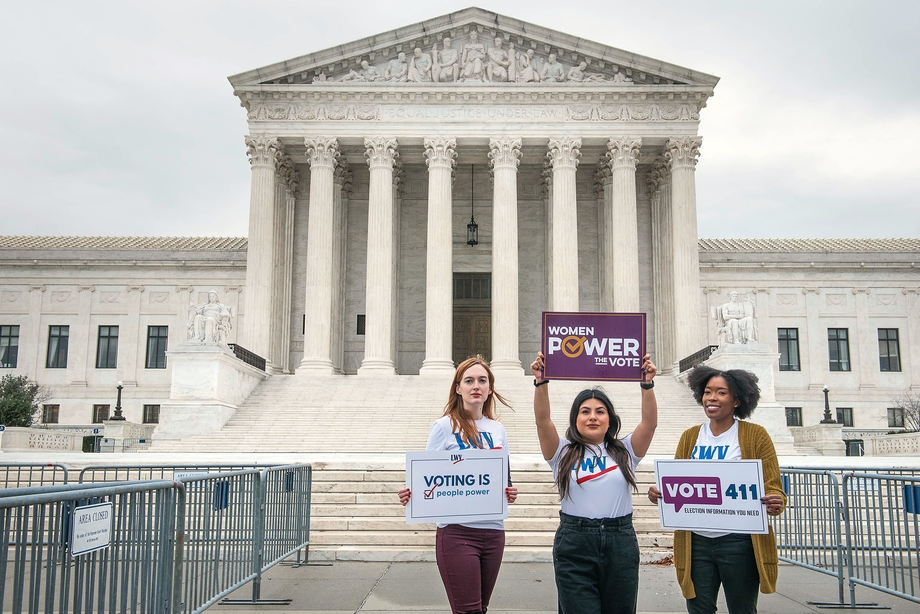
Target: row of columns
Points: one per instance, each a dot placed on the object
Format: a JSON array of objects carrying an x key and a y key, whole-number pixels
[{"x": 675, "y": 258}]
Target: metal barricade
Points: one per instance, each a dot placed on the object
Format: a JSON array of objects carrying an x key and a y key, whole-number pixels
[
  {"x": 47, "y": 564},
  {"x": 120, "y": 473},
  {"x": 19, "y": 475},
  {"x": 882, "y": 519},
  {"x": 215, "y": 537}
]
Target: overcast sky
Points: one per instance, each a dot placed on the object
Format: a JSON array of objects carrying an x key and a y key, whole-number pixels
[{"x": 116, "y": 118}]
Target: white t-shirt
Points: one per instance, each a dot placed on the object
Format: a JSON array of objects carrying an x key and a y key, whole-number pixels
[
  {"x": 491, "y": 437},
  {"x": 597, "y": 487},
  {"x": 716, "y": 447}
]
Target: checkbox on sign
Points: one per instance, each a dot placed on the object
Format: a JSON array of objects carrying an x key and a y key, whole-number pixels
[{"x": 429, "y": 494}]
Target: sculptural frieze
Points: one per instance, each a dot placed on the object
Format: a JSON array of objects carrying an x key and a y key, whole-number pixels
[
  {"x": 209, "y": 323},
  {"x": 735, "y": 321},
  {"x": 475, "y": 60}
]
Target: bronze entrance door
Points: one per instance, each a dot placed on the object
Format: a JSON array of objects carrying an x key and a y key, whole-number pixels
[{"x": 472, "y": 316}]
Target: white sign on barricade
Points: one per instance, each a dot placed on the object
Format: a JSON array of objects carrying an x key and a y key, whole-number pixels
[
  {"x": 91, "y": 528},
  {"x": 457, "y": 486},
  {"x": 711, "y": 495}
]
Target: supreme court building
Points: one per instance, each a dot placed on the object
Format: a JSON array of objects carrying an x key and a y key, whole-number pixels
[{"x": 423, "y": 195}]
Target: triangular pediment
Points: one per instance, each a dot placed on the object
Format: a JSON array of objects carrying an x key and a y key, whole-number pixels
[{"x": 482, "y": 48}]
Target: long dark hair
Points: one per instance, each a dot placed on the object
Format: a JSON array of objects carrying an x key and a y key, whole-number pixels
[{"x": 574, "y": 452}]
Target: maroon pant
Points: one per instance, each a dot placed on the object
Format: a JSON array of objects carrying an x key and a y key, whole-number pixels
[{"x": 468, "y": 560}]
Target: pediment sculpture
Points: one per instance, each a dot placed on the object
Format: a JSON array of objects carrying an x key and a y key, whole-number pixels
[
  {"x": 210, "y": 322},
  {"x": 735, "y": 321},
  {"x": 475, "y": 61}
]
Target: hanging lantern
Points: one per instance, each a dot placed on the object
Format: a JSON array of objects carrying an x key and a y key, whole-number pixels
[{"x": 472, "y": 229}]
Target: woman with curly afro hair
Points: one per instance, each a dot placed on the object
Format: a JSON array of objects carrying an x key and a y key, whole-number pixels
[{"x": 738, "y": 562}]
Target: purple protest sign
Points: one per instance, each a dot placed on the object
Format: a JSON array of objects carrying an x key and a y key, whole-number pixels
[
  {"x": 679, "y": 491},
  {"x": 593, "y": 346}
]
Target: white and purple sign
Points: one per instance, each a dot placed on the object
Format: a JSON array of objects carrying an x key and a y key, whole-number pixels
[
  {"x": 711, "y": 495},
  {"x": 593, "y": 346}
]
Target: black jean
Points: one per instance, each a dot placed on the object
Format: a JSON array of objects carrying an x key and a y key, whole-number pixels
[
  {"x": 726, "y": 561},
  {"x": 597, "y": 565}
]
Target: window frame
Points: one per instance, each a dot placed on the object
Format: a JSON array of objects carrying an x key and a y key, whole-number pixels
[
  {"x": 839, "y": 346},
  {"x": 154, "y": 349},
  {"x": 892, "y": 413},
  {"x": 108, "y": 352},
  {"x": 9, "y": 351},
  {"x": 842, "y": 414},
  {"x": 150, "y": 412},
  {"x": 885, "y": 361},
  {"x": 788, "y": 344},
  {"x": 52, "y": 409},
  {"x": 97, "y": 412},
  {"x": 794, "y": 411},
  {"x": 57, "y": 351}
]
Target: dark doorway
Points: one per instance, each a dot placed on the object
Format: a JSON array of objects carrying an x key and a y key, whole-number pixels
[{"x": 472, "y": 316}]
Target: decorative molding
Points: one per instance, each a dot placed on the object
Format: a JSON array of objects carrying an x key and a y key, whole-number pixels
[
  {"x": 87, "y": 288},
  {"x": 322, "y": 151},
  {"x": 886, "y": 299},
  {"x": 764, "y": 290},
  {"x": 233, "y": 288},
  {"x": 11, "y": 297},
  {"x": 158, "y": 297},
  {"x": 39, "y": 287},
  {"x": 135, "y": 288},
  {"x": 682, "y": 152},
  {"x": 185, "y": 289},
  {"x": 787, "y": 299},
  {"x": 311, "y": 112},
  {"x": 441, "y": 152},
  {"x": 564, "y": 152},
  {"x": 60, "y": 297},
  {"x": 110, "y": 297},
  {"x": 712, "y": 290},
  {"x": 381, "y": 151},
  {"x": 505, "y": 152},
  {"x": 836, "y": 299},
  {"x": 814, "y": 290},
  {"x": 623, "y": 152},
  {"x": 860, "y": 290},
  {"x": 262, "y": 150},
  {"x": 910, "y": 291},
  {"x": 603, "y": 177}
]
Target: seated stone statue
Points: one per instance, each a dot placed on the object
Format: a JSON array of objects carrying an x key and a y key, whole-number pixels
[
  {"x": 209, "y": 323},
  {"x": 498, "y": 64},
  {"x": 397, "y": 69},
  {"x": 420, "y": 67},
  {"x": 735, "y": 321},
  {"x": 445, "y": 63},
  {"x": 366, "y": 74},
  {"x": 578, "y": 74},
  {"x": 473, "y": 59},
  {"x": 553, "y": 71}
]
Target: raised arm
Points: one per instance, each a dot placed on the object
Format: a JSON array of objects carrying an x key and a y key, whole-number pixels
[
  {"x": 642, "y": 436},
  {"x": 546, "y": 430}
]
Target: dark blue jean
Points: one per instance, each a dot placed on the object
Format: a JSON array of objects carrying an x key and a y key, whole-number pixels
[
  {"x": 726, "y": 561},
  {"x": 597, "y": 565}
]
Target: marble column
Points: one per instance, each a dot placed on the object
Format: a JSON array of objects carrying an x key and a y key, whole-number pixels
[
  {"x": 440, "y": 155},
  {"x": 322, "y": 153},
  {"x": 284, "y": 168},
  {"x": 546, "y": 187},
  {"x": 816, "y": 340},
  {"x": 256, "y": 335},
  {"x": 766, "y": 332},
  {"x": 292, "y": 180},
  {"x": 603, "y": 193},
  {"x": 564, "y": 154},
  {"x": 342, "y": 180},
  {"x": 866, "y": 342},
  {"x": 662, "y": 264},
  {"x": 689, "y": 335},
  {"x": 912, "y": 343},
  {"x": 623, "y": 247},
  {"x": 505, "y": 155},
  {"x": 378, "y": 337},
  {"x": 80, "y": 338},
  {"x": 30, "y": 356},
  {"x": 134, "y": 336}
]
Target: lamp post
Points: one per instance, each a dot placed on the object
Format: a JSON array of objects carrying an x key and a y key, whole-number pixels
[
  {"x": 118, "y": 415},
  {"x": 827, "y": 408}
]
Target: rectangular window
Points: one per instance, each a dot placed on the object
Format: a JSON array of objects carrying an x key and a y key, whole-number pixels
[
  {"x": 845, "y": 416},
  {"x": 793, "y": 416},
  {"x": 896, "y": 417},
  {"x": 151, "y": 414},
  {"x": 58, "y": 336},
  {"x": 50, "y": 413},
  {"x": 156, "y": 346},
  {"x": 889, "y": 351},
  {"x": 100, "y": 413},
  {"x": 838, "y": 349},
  {"x": 9, "y": 346},
  {"x": 788, "y": 339},
  {"x": 107, "y": 348},
  {"x": 361, "y": 323}
]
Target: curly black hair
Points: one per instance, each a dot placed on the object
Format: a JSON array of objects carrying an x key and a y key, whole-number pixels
[{"x": 742, "y": 384}]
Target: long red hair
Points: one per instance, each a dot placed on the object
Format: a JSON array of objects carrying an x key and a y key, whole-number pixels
[{"x": 460, "y": 421}]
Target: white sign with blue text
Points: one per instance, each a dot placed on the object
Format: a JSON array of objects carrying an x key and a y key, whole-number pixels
[
  {"x": 455, "y": 486},
  {"x": 91, "y": 528},
  {"x": 711, "y": 496}
]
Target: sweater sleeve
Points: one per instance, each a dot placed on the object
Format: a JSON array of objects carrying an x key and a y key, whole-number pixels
[{"x": 766, "y": 452}]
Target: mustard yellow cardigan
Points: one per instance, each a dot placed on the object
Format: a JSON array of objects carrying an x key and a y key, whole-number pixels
[{"x": 755, "y": 442}]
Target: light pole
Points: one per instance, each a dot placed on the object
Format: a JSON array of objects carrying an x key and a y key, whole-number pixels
[
  {"x": 118, "y": 415},
  {"x": 827, "y": 408}
]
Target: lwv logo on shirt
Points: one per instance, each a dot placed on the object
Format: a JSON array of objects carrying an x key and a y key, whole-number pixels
[
  {"x": 483, "y": 441},
  {"x": 591, "y": 468},
  {"x": 709, "y": 452}
]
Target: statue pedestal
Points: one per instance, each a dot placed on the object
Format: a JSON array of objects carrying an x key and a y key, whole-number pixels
[
  {"x": 759, "y": 360},
  {"x": 208, "y": 385}
]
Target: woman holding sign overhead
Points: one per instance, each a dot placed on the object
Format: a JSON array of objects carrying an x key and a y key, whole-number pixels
[
  {"x": 706, "y": 560},
  {"x": 469, "y": 554},
  {"x": 595, "y": 552}
]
